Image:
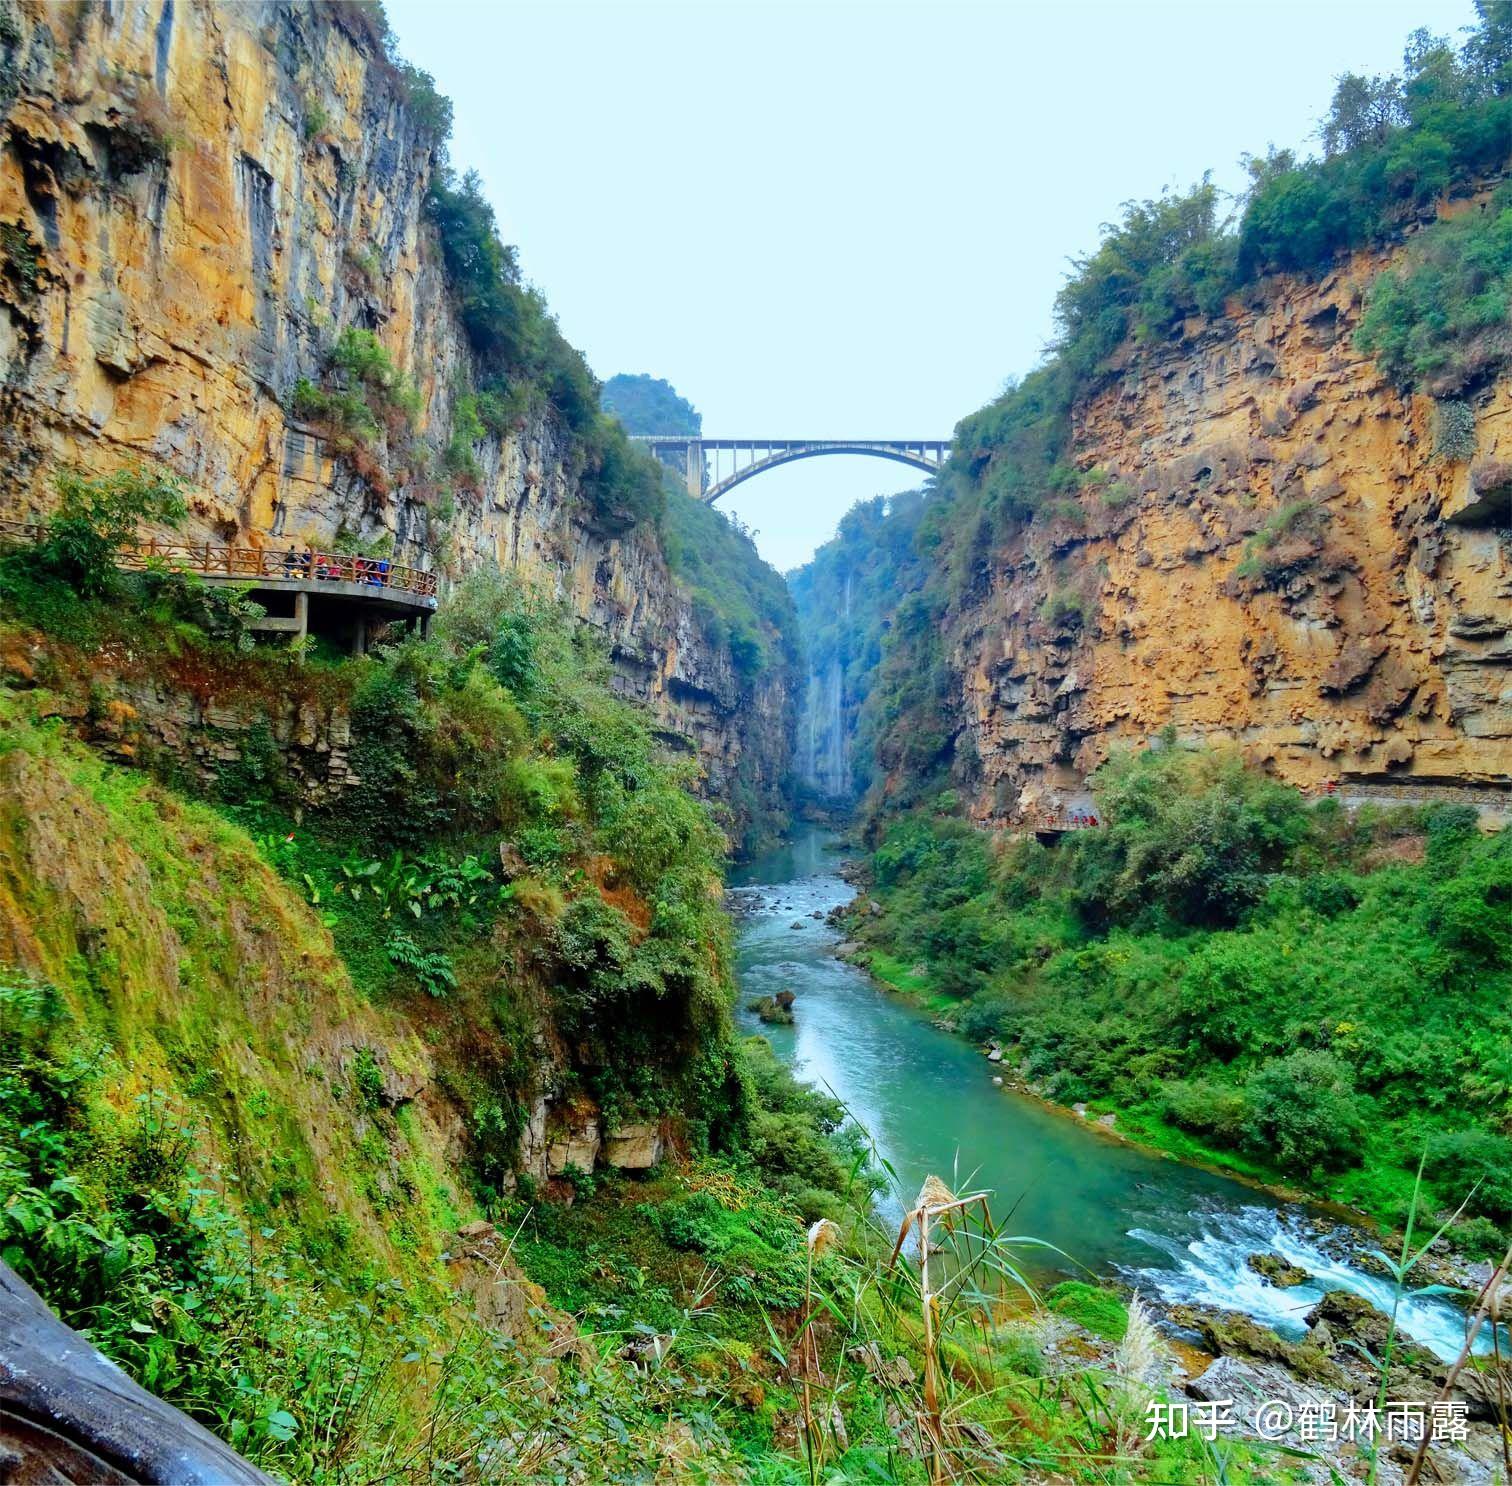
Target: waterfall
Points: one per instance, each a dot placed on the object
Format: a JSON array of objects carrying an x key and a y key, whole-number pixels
[
  {"x": 837, "y": 762},
  {"x": 823, "y": 754},
  {"x": 809, "y": 747}
]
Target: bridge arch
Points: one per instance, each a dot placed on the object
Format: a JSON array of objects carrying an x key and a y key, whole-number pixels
[{"x": 693, "y": 457}]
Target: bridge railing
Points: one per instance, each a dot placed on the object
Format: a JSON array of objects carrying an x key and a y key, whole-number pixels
[
  {"x": 1074, "y": 820},
  {"x": 212, "y": 560}
]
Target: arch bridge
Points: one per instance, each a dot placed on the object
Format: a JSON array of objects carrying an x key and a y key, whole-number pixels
[{"x": 714, "y": 467}]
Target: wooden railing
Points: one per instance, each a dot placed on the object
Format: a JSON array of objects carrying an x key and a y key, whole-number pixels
[{"x": 251, "y": 563}]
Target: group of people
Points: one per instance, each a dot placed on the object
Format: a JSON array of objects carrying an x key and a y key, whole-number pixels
[{"x": 335, "y": 568}]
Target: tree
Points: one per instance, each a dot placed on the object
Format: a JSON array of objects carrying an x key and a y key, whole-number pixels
[
  {"x": 649, "y": 405},
  {"x": 1488, "y": 53},
  {"x": 1304, "y": 1112},
  {"x": 99, "y": 515},
  {"x": 1364, "y": 112}
]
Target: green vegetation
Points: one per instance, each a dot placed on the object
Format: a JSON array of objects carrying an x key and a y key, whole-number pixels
[
  {"x": 1099, "y": 1310},
  {"x": 525, "y": 364},
  {"x": 741, "y": 604},
  {"x": 647, "y": 404},
  {"x": 21, "y": 260},
  {"x": 1438, "y": 322},
  {"x": 258, "y": 1072},
  {"x": 1290, "y": 536},
  {"x": 739, "y": 600},
  {"x": 97, "y": 517},
  {"x": 1392, "y": 147},
  {"x": 1285, "y": 989},
  {"x": 845, "y": 596}
]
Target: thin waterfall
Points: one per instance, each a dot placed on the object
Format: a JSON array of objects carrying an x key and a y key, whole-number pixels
[
  {"x": 838, "y": 770},
  {"x": 809, "y": 756},
  {"x": 823, "y": 761}
]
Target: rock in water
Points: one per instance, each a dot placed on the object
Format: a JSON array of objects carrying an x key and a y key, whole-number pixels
[{"x": 1282, "y": 1273}]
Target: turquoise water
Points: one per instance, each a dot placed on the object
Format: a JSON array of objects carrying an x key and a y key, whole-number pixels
[{"x": 927, "y": 1100}]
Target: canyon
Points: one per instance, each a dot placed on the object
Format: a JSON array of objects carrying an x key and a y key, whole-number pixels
[{"x": 1264, "y": 546}]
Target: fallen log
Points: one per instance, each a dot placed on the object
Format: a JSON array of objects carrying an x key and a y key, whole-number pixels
[{"x": 69, "y": 1416}]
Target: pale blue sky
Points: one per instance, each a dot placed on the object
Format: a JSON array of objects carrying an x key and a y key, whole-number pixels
[{"x": 849, "y": 219}]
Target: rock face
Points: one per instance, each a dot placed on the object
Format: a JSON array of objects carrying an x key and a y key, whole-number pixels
[
  {"x": 195, "y": 201},
  {"x": 1269, "y": 553}
]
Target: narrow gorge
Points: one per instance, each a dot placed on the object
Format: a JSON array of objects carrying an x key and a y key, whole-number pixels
[{"x": 499, "y": 983}]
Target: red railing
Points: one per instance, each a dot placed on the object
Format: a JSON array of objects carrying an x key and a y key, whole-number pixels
[
  {"x": 251, "y": 563},
  {"x": 1076, "y": 820}
]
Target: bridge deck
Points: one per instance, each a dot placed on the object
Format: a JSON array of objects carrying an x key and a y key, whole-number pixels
[{"x": 692, "y": 454}]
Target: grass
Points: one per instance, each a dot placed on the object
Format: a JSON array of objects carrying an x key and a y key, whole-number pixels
[{"x": 1101, "y": 1311}]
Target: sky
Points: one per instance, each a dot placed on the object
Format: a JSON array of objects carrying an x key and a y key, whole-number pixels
[{"x": 849, "y": 219}]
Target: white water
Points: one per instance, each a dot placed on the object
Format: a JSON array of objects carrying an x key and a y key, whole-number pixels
[{"x": 1210, "y": 1270}]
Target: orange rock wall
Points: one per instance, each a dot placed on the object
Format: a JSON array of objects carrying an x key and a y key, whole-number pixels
[
  {"x": 166, "y": 310},
  {"x": 1375, "y": 644}
]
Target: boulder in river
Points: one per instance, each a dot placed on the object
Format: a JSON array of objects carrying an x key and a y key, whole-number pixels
[
  {"x": 785, "y": 999},
  {"x": 1282, "y": 1273},
  {"x": 769, "y": 1011},
  {"x": 1233, "y": 1334},
  {"x": 1349, "y": 1315}
]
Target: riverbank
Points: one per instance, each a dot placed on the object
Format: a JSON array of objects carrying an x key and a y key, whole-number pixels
[
  {"x": 1134, "y": 1126},
  {"x": 1309, "y": 999},
  {"x": 1254, "y": 1296}
]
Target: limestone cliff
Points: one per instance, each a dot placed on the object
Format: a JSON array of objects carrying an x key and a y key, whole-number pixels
[
  {"x": 196, "y": 199},
  {"x": 1267, "y": 550}
]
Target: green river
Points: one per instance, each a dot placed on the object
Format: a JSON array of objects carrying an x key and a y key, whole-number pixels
[{"x": 1177, "y": 1233}]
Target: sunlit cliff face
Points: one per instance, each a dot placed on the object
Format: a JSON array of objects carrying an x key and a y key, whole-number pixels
[
  {"x": 1272, "y": 553},
  {"x": 203, "y": 197}
]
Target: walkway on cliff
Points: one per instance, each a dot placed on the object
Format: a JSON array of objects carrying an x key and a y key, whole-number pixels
[{"x": 353, "y": 592}]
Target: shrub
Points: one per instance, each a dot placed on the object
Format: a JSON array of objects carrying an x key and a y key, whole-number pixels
[
  {"x": 1478, "y": 1238},
  {"x": 144, "y": 135},
  {"x": 1474, "y": 1165},
  {"x": 1064, "y": 610},
  {"x": 99, "y": 515},
  {"x": 428, "y": 108},
  {"x": 22, "y": 260},
  {"x": 1190, "y": 835},
  {"x": 1207, "y": 1108},
  {"x": 432, "y": 969},
  {"x": 1304, "y": 1113},
  {"x": 1439, "y": 322}
]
